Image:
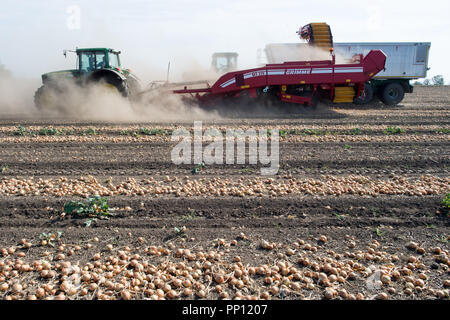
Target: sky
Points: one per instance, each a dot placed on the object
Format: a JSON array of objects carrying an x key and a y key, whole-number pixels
[{"x": 34, "y": 33}]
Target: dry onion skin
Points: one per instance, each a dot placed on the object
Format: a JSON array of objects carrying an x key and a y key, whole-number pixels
[
  {"x": 173, "y": 271},
  {"x": 327, "y": 185}
]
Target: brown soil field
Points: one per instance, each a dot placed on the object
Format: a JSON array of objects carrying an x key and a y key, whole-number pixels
[{"x": 354, "y": 212}]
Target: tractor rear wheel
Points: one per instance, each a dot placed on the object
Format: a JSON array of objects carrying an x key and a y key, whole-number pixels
[
  {"x": 134, "y": 88},
  {"x": 45, "y": 98},
  {"x": 112, "y": 85},
  {"x": 392, "y": 94}
]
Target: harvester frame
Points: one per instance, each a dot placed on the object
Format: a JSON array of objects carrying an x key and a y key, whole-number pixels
[{"x": 300, "y": 82}]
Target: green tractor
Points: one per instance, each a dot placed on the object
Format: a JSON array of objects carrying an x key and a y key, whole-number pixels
[
  {"x": 223, "y": 62},
  {"x": 99, "y": 66}
]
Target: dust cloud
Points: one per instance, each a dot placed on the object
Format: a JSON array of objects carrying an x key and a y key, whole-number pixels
[
  {"x": 158, "y": 104},
  {"x": 196, "y": 72},
  {"x": 91, "y": 103},
  {"x": 100, "y": 103},
  {"x": 16, "y": 95},
  {"x": 279, "y": 53}
]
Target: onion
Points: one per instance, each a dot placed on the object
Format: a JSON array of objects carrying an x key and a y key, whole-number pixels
[
  {"x": 171, "y": 294},
  {"x": 200, "y": 293},
  {"x": 17, "y": 288},
  {"x": 330, "y": 293},
  {"x": 382, "y": 296},
  {"x": 125, "y": 295}
]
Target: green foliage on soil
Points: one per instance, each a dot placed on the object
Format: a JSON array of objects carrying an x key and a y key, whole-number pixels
[
  {"x": 47, "y": 132},
  {"x": 446, "y": 204},
  {"x": 354, "y": 131},
  {"x": 50, "y": 237},
  {"x": 190, "y": 215},
  {"x": 444, "y": 130},
  {"x": 90, "y": 132},
  {"x": 314, "y": 132},
  {"x": 446, "y": 201},
  {"x": 180, "y": 231},
  {"x": 393, "y": 130},
  {"x": 198, "y": 167},
  {"x": 296, "y": 132},
  {"x": 378, "y": 232},
  {"x": 22, "y": 131},
  {"x": 318, "y": 132},
  {"x": 153, "y": 132},
  {"x": 94, "y": 207},
  {"x": 145, "y": 132},
  {"x": 283, "y": 133}
]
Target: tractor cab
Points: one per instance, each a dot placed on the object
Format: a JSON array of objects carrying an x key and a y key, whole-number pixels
[
  {"x": 223, "y": 62},
  {"x": 90, "y": 60}
]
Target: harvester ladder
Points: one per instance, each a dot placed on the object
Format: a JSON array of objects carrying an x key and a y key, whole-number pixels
[{"x": 321, "y": 35}]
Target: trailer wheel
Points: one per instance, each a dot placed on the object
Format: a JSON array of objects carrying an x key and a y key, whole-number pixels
[
  {"x": 366, "y": 95},
  {"x": 314, "y": 101},
  {"x": 392, "y": 94}
]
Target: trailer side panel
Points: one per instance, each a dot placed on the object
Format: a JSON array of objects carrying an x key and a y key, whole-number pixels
[{"x": 405, "y": 60}]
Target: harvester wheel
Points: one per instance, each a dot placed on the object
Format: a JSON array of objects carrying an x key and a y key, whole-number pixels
[
  {"x": 392, "y": 94},
  {"x": 314, "y": 101},
  {"x": 366, "y": 95}
]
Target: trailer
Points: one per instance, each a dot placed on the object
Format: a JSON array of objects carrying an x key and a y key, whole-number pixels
[{"x": 405, "y": 61}]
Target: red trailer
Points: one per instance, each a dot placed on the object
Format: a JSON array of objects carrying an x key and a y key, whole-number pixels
[{"x": 301, "y": 82}]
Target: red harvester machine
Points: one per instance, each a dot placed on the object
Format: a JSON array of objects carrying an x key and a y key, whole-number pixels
[{"x": 301, "y": 82}]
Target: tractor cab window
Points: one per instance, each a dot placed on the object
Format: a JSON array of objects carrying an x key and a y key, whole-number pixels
[
  {"x": 100, "y": 59},
  {"x": 87, "y": 61},
  {"x": 90, "y": 61},
  {"x": 114, "y": 60},
  {"x": 223, "y": 63}
]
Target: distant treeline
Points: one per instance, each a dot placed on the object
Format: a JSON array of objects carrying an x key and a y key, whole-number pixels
[{"x": 435, "y": 81}]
